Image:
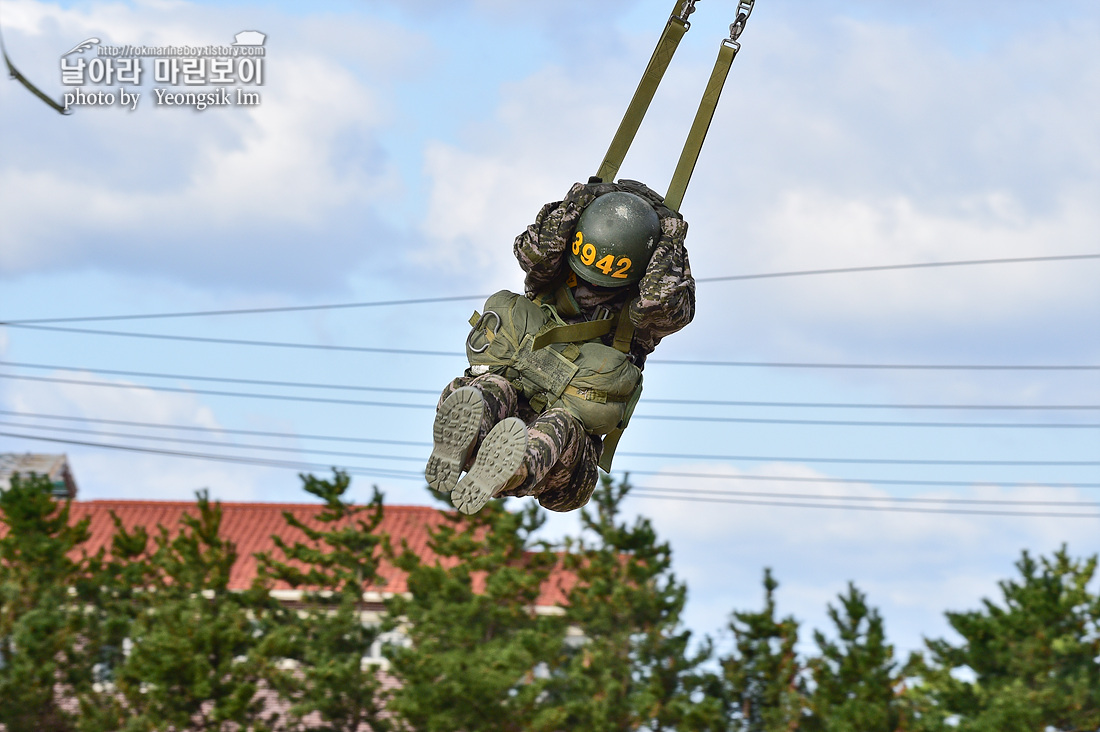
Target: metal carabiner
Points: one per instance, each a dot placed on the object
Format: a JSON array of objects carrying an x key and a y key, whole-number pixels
[
  {"x": 685, "y": 10},
  {"x": 744, "y": 10},
  {"x": 473, "y": 331}
]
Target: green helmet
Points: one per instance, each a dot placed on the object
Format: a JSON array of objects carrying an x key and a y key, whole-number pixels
[{"x": 615, "y": 237}]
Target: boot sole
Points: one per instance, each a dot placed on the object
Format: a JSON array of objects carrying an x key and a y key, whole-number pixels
[
  {"x": 499, "y": 458},
  {"x": 455, "y": 431}
]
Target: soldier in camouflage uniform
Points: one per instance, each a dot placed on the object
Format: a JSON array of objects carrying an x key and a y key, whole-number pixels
[{"x": 486, "y": 426}]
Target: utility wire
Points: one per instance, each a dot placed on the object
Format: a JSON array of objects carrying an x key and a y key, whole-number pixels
[
  {"x": 852, "y": 507},
  {"x": 212, "y": 392},
  {"x": 881, "y": 268},
  {"x": 456, "y": 354},
  {"x": 262, "y": 462},
  {"x": 216, "y": 443},
  {"x": 862, "y": 461},
  {"x": 672, "y": 456},
  {"x": 861, "y": 481},
  {"x": 458, "y": 298},
  {"x": 855, "y": 423},
  {"x": 224, "y": 379},
  {"x": 650, "y": 492},
  {"x": 891, "y": 499},
  {"x": 665, "y": 473},
  {"x": 193, "y": 428},
  {"x": 435, "y": 392},
  {"x": 250, "y": 311},
  {"x": 238, "y": 341},
  {"x": 663, "y": 417}
]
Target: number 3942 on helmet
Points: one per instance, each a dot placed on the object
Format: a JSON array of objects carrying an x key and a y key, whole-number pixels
[{"x": 616, "y": 234}]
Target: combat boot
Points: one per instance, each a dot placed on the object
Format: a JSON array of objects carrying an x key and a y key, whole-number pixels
[
  {"x": 457, "y": 423},
  {"x": 496, "y": 467}
]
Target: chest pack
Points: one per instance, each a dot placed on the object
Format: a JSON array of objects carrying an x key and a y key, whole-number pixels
[{"x": 555, "y": 364}]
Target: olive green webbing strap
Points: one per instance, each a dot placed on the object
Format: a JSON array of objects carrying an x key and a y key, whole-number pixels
[
  {"x": 694, "y": 143},
  {"x": 575, "y": 333},
  {"x": 610, "y": 443},
  {"x": 674, "y": 30}
]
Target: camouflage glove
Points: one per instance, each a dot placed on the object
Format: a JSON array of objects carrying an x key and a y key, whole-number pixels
[{"x": 666, "y": 293}]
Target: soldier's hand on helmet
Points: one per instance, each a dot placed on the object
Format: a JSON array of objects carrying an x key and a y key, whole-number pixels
[
  {"x": 670, "y": 253},
  {"x": 582, "y": 194}
]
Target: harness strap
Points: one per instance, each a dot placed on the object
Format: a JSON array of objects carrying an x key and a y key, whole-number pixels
[
  {"x": 575, "y": 333},
  {"x": 694, "y": 143},
  {"x": 674, "y": 30},
  {"x": 624, "y": 330}
]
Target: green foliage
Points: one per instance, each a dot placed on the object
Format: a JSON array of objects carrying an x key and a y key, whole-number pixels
[
  {"x": 764, "y": 687},
  {"x": 197, "y": 659},
  {"x": 39, "y": 623},
  {"x": 1029, "y": 663},
  {"x": 327, "y": 639},
  {"x": 475, "y": 639},
  {"x": 855, "y": 676},
  {"x": 631, "y": 667}
]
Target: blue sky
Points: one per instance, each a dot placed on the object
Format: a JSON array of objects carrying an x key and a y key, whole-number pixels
[{"x": 399, "y": 148}]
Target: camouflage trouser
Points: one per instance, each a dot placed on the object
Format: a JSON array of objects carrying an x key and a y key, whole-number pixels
[{"x": 561, "y": 461}]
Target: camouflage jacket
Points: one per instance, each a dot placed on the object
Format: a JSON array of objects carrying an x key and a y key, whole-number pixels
[{"x": 661, "y": 303}]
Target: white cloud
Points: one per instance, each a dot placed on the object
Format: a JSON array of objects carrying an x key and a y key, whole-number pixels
[{"x": 231, "y": 193}]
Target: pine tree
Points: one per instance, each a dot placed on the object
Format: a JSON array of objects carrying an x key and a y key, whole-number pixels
[
  {"x": 631, "y": 666},
  {"x": 477, "y": 645},
  {"x": 764, "y": 687},
  {"x": 327, "y": 639},
  {"x": 854, "y": 677},
  {"x": 1029, "y": 663},
  {"x": 39, "y": 622},
  {"x": 112, "y": 594},
  {"x": 196, "y": 659}
]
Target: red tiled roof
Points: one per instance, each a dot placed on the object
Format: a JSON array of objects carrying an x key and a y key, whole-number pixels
[{"x": 251, "y": 525}]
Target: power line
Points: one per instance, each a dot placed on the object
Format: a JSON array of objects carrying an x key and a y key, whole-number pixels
[
  {"x": 435, "y": 392},
  {"x": 892, "y": 499},
  {"x": 864, "y": 461},
  {"x": 237, "y": 341},
  {"x": 855, "y": 423},
  {"x": 213, "y": 443},
  {"x": 650, "y": 492},
  {"x": 262, "y": 462},
  {"x": 869, "y": 405},
  {"x": 213, "y": 392},
  {"x": 458, "y": 298},
  {"x": 223, "y": 379},
  {"x": 250, "y": 311},
  {"x": 622, "y": 453},
  {"x": 721, "y": 476},
  {"x": 861, "y": 481},
  {"x": 881, "y": 268},
  {"x": 192, "y": 428},
  {"x": 882, "y": 366},
  {"x": 456, "y": 354},
  {"x": 852, "y": 507},
  {"x": 676, "y": 418}
]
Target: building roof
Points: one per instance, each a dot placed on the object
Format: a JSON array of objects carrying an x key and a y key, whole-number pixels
[
  {"x": 251, "y": 526},
  {"x": 54, "y": 467}
]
